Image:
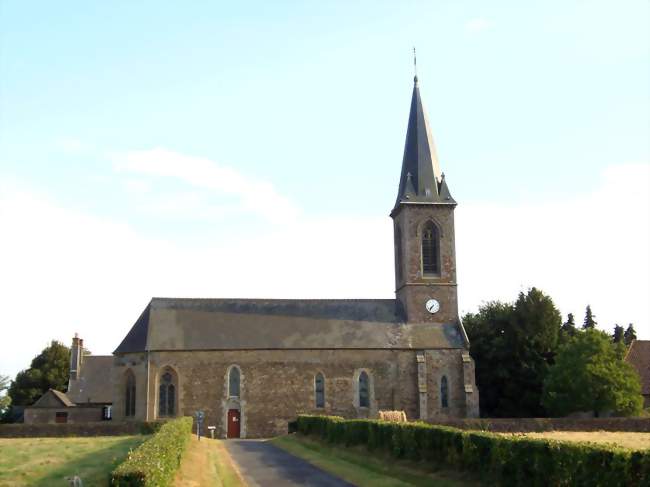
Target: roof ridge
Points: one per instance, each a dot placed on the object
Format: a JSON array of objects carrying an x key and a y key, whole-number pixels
[{"x": 273, "y": 299}]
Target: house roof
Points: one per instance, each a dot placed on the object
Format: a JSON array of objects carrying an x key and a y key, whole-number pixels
[
  {"x": 421, "y": 180},
  {"x": 91, "y": 384},
  {"x": 53, "y": 398},
  {"x": 249, "y": 324},
  {"x": 639, "y": 357}
]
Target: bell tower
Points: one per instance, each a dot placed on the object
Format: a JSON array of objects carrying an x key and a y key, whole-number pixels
[{"x": 423, "y": 222}]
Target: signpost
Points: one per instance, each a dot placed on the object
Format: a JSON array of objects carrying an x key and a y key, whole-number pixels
[{"x": 199, "y": 421}]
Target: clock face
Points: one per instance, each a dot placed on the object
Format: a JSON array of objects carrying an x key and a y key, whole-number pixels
[{"x": 433, "y": 306}]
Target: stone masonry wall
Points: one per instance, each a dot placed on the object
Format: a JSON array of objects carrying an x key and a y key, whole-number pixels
[
  {"x": 415, "y": 288},
  {"x": 276, "y": 385},
  {"x": 75, "y": 414}
]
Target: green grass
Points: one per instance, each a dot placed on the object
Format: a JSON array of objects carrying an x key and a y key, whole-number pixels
[
  {"x": 45, "y": 462},
  {"x": 365, "y": 469},
  {"x": 228, "y": 474},
  {"x": 206, "y": 463}
]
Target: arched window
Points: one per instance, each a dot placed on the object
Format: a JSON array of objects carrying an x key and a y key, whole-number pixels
[
  {"x": 129, "y": 394},
  {"x": 398, "y": 253},
  {"x": 430, "y": 249},
  {"x": 167, "y": 394},
  {"x": 319, "y": 388},
  {"x": 444, "y": 392},
  {"x": 364, "y": 390},
  {"x": 233, "y": 382}
]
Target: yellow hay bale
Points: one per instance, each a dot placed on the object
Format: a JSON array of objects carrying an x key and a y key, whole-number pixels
[{"x": 394, "y": 416}]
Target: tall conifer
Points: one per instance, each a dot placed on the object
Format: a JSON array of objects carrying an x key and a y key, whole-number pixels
[
  {"x": 590, "y": 319},
  {"x": 629, "y": 335}
]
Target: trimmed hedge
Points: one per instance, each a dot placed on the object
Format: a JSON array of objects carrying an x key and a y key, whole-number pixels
[
  {"x": 154, "y": 463},
  {"x": 505, "y": 460}
]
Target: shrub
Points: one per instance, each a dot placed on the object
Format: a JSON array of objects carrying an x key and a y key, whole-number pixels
[
  {"x": 511, "y": 460},
  {"x": 154, "y": 463}
]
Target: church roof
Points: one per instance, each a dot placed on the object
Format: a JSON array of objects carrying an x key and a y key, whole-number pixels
[
  {"x": 257, "y": 324},
  {"x": 421, "y": 180},
  {"x": 90, "y": 386},
  {"x": 639, "y": 357}
]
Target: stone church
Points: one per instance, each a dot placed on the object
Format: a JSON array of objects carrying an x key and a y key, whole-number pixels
[{"x": 252, "y": 365}]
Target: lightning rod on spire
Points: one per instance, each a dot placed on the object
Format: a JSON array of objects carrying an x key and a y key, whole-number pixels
[{"x": 415, "y": 65}]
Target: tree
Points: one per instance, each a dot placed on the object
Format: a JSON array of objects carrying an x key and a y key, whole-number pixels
[
  {"x": 617, "y": 336},
  {"x": 590, "y": 320},
  {"x": 629, "y": 335},
  {"x": 5, "y": 399},
  {"x": 486, "y": 331},
  {"x": 590, "y": 374},
  {"x": 568, "y": 328},
  {"x": 513, "y": 346},
  {"x": 49, "y": 369}
]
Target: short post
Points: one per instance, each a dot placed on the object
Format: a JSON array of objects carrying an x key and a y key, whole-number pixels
[
  {"x": 199, "y": 421},
  {"x": 211, "y": 429}
]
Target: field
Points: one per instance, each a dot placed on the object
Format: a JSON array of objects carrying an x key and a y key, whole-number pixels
[
  {"x": 45, "y": 462},
  {"x": 633, "y": 441}
]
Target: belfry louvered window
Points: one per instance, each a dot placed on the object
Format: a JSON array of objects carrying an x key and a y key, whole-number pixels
[
  {"x": 319, "y": 389},
  {"x": 167, "y": 395},
  {"x": 129, "y": 396},
  {"x": 430, "y": 249},
  {"x": 398, "y": 253}
]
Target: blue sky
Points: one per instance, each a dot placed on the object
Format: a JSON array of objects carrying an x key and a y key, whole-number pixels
[{"x": 272, "y": 117}]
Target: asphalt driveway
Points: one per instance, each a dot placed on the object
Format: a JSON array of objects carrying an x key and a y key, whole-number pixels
[{"x": 265, "y": 465}]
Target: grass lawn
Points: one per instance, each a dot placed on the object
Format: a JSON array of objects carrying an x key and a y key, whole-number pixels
[
  {"x": 367, "y": 470},
  {"x": 44, "y": 462},
  {"x": 207, "y": 464},
  {"x": 631, "y": 440}
]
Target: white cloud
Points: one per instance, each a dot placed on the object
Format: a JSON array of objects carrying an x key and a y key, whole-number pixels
[
  {"x": 65, "y": 271},
  {"x": 251, "y": 194},
  {"x": 477, "y": 25},
  {"x": 592, "y": 249}
]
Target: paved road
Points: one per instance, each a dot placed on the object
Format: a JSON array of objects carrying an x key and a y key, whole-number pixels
[{"x": 266, "y": 465}]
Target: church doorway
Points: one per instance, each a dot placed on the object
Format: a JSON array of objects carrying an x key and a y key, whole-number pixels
[{"x": 233, "y": 423}]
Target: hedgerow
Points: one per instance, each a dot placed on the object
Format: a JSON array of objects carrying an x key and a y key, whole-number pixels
[
  {"x": 506, "y": 461},
  {"x": 155, "y": 462}
]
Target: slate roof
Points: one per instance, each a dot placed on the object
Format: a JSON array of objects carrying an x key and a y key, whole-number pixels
[
  {"x": 639, "y": 357},
  {"x": 257, "y": 324},
  {"x": 53, "y": 398},
  {"x": 91, "y": 386},
  {"x": 421, "y": 180},
  {"x": 61, "y": 396}
]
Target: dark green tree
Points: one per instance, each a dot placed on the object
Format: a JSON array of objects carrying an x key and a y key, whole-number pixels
[
  {"x": 49, "y": 369},
  {"x": 513, "y": 346},
  {"x": 617, "y": 336},
  {"x": 5, "y": 400},
  {"x": 568, "y": 328},
  {"x": 486, "y": 331},
  {"x": 590, "y": 320},
  {"x": 590, "y": 374},
  {"x": 629, "y": 335}
]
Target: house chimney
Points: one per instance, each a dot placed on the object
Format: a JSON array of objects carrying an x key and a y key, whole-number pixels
[{"x": 76, "y": 357}]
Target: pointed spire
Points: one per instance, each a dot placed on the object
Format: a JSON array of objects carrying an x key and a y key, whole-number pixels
[{"x": 421, "y": 180}]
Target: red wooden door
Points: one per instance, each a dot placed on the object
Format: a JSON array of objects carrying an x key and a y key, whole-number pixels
[{"x": 233, "y": 423}]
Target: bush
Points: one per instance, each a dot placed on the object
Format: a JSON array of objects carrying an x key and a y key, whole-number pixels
[
  {"x": 154, "y": 463},
  {"x": 505, "y": 460}
]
